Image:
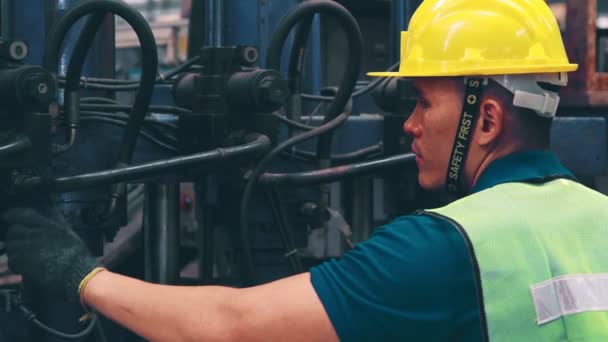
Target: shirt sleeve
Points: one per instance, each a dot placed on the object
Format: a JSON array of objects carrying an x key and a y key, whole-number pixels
[{"x": 411, "y": 280}]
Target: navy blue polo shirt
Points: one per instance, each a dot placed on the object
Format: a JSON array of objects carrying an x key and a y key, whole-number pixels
[{"x": 412, "y": 280}]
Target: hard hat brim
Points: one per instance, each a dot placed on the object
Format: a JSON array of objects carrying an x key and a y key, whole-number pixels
[{"x": 516, "y": 69}]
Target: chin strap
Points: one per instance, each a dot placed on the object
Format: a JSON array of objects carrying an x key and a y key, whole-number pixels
[{"x": 462, "y": 141}]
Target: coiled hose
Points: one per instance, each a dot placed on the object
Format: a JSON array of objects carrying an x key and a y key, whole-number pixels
[{"x": 149, "y": 67}]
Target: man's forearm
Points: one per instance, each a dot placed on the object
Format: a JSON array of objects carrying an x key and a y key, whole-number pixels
[{"x": 164, "y": 313}]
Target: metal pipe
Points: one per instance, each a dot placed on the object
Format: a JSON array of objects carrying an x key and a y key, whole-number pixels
[
  {"x": 161, "y": 233},
  {"x": 257, "y": 143},
  {"x": 333, "y": 174},
  {"x": 215, "y": 19},
  {"x": 196, "y": 27}
]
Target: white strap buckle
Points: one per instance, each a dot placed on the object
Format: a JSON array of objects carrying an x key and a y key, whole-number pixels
[{"x": 545, "y": 105}]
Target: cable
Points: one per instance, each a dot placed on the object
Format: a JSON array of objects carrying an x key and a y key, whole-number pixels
[
  {"x": 125, "y": 108},
  {"x": 313, "y": 113},
  {"x": 296, "y": 124},
  {"x": 333, "y": 174},
  {"x": 99, "y": 100},
  {"x": 100, "y": 333},
  {"x": 18, "y": 145},
  {"x": 254, "y": 144},
  {"x": 106, "y": 83},
  {"x": 181, "y": 68},
  {"x": 280, "y": 218},
  {"x": 302, "y": 10},
  {"x": 31, "y": 316},
  {"x": 292, "y": 123},
  {"x": 357, "y": 93},
  {"x": 123, "y": 124}
]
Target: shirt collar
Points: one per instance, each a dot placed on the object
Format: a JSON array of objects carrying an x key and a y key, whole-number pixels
[{"x": 525, "y": 166}]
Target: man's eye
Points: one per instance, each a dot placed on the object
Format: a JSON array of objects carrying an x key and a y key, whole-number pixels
[{"x": 423, "y": 102}]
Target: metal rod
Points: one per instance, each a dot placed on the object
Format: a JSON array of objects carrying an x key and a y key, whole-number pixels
[
  {"x": 206, "y": 208},
  {"x": 360, "y": 208},
  {"x": 6, "y": 13},
  {"x": 161, "y": 233},
  {"x": 257, "y": 143}
]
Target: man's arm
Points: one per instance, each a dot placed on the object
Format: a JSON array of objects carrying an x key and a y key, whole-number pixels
[
  {"x": 43, "y": 248},
  {"x": 285, "y": 310}
]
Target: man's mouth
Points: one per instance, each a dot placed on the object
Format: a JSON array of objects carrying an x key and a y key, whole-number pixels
[{"x": 418, "y": 156}]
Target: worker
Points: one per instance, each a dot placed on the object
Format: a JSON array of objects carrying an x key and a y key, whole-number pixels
[{"x": 520, "y": 256}]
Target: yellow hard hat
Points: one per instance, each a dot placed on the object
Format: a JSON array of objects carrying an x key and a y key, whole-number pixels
[{"x": 481, "y": 37}]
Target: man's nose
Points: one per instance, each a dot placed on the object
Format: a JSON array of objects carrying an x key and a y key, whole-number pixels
[{"x": 410, "y": 126}]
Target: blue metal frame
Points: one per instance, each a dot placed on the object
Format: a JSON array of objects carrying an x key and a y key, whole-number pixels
[
  {"x": 29, "y": 26},
  {"x": 240, "y": 27}
]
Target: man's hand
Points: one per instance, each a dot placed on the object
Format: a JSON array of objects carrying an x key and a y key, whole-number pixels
[{"x": 43, "y": 248}]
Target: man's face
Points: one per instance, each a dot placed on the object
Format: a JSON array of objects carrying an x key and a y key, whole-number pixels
[{"x": 433, "y": 127}]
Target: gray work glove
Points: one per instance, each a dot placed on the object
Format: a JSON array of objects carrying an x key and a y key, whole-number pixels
[{"x": 43, "y": 248}]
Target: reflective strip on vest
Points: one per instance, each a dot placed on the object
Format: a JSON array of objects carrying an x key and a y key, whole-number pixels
[
  {"x": 567, "y": 295},
  {"x": 546, "y": 236}
]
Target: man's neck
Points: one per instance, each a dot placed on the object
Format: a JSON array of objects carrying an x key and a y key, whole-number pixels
[{"x": 490, "y": 157}]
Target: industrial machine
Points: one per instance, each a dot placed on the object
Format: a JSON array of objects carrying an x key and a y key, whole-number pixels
[{"x": 264, "y": 153}]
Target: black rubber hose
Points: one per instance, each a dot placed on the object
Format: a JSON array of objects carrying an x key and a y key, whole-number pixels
[
  {"x": 31, "y": 316},
  {"x": 255, "y": 143},
  {"x": 77, "y": 60},
  {"x": 149, "y": 62},
  {"x": 296, "y": 65},
  {"x": 302, "y": 10},
  {"x": 20, "y": 144},
  {"x": 335, "y": 173},
  {"x": 298, "y": 52},
  {"x": 147, "y": 80}
]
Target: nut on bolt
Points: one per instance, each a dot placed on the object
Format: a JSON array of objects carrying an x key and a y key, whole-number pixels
[{"x": 38, "y": 87}]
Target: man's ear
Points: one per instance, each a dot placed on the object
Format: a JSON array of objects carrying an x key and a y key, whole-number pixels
[{"x": 490, "y": 124}]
